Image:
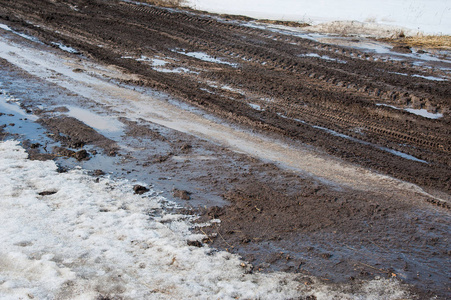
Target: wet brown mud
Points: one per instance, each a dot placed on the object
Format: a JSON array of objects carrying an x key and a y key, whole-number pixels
[{"x": 275, "y": 218}]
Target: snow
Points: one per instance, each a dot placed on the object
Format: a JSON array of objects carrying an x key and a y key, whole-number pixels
[
  {"x": 428, "y": 16},
  {"x": 419, "y": 112},
  {"x": 96, "y": 238},
  {"x": 424, "y": 113},
  {"x": 65, "y": 48},
  {"x": 205, "y": 57}
]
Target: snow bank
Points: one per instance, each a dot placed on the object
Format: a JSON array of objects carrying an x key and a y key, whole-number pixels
[
  {"x": 69, "y": 236},
  {"x": 428, "y": 16}
]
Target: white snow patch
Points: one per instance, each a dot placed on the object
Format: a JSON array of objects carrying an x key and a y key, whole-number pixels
[
  {"x": 65, "y": 48},
  {"x": 93, "y": 238},
  {"x": 25, "y": 36},
  {"x": 325, "y": 57},
  {"x": 424, "y": 113},
  {"x": 255, "y": 106},
  {"x": 433, "y": 78},
  {"x": 420, "y": 112},
  {"x": 429, "y": 16},
  {"x": 205, "y": 57}
]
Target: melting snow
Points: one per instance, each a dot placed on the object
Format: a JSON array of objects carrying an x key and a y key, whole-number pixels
[
  {"x": 84, "y": 239},
  {"x": 102, "y": 123},
  {"x": 424, "y": 113},
  {"x": 420, "y": 112},
  {"x": 206, "y": 57}
]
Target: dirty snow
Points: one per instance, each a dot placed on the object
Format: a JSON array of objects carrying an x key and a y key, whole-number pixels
[
  {"x": 428, "y": 16},
  {"x": 86, "y": 238}
]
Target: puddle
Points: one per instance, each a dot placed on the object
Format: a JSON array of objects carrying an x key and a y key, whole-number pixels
[
  {"x": 430, "y": 77},
  {"x": 424, "y": 113},
  {"x": 205, "y": 57},
  {"x": 66, "y": 48},
  {"x": 96, "y": 121},
  {"x": 325, "y": 57},
  {"x": 419, "y": 112},
  {"x": 256, "y": 106},
  {"x": 25, "y": 36}
]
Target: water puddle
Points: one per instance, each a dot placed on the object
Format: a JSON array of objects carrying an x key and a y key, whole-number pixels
[
  {"x": 419, "y": 112},
  {"x": 325, "y": 57},
  {"x": 66, "y": 48},
  {"x": 96, "y": 121},
  {"x": 25, "y": 36},
  {"x": 205, "y": 57}
]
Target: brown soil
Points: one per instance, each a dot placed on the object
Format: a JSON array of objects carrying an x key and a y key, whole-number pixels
[{"x": 276, "y": 219}]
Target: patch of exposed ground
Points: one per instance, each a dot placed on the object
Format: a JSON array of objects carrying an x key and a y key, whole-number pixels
[{"x": 277, "y": 219}]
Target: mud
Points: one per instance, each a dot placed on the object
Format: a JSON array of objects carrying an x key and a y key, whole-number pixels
[
  {"x": 297, "y": 92},
  {"x": 270, "y": 83}
]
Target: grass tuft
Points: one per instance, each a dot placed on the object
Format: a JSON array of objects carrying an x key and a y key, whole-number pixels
[
  {"x": 284, "y": 23},
  {"x": 165, "y": 3},
  {"x": 442, "y": 42}
]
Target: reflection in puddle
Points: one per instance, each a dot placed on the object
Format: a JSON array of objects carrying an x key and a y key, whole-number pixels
[{"x": 99, "y": 122}]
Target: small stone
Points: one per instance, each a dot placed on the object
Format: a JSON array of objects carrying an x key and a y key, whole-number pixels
[
  {"x": 194, "y": 243},
  {"x": 81, "y": 155},
  {"x": 98, "y": 173},
  {"x": 184, "y": 195},
  {"x": 139, "y": 189}
]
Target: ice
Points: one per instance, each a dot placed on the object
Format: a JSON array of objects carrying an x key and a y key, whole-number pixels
[
  {"x": 325, "y": 57},
  {"x": 433, "y": 78},
  {"x": 205, "y": 57},
  {"x": 255, "y": 106},
  {"x": 102, "y": 123},
  {"x": 92, "y": 239},
  {"x": 25, "y": 36},
  {"x": 66, "y": 48},
  {"x": 424, "y": 113},
  {"x": 420, "y": 112}
]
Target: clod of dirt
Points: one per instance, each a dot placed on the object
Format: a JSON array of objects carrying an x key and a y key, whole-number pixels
[
  {"x": 63, "y": 151},
  {"x": 47, "y": 193},
  {"x": 186, "y": 147},
  {"x": 402, "y": 49},
  {"x": 81, "y": 155},
  {"x": 184, "y": 195},
  {"x": 139, "y": 189},
  {"x": 214, "y": 212},
  {"x": 98, "y": 173},
  {"x": 194, "y": 243}
]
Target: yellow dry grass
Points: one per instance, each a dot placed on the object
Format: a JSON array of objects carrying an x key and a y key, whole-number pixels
[
  {"x": 165, "y": 3},
  {"x": 284, "y": 23},
  {"x": 426, "y": 41}
]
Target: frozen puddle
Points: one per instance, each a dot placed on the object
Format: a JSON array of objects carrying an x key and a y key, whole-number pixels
[
  {"x": 205, "y": 57},
  {"x": 433, "y": 78},
  {"x": 325, "y": 57},
  {"x": 419, "y": 112},
  {"x": 25, "y": 36},
  {"x": 99, "y": 122},
  {"x": 65, "y": 48},
  {"x": 66, "y": 236},
  {"x": 424, "y": 113}
]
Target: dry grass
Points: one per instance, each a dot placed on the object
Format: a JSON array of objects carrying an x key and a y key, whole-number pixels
[
  {"x": 284, "y": 23},
  {"x": 165, "y": 3},
  {"x": 429, "y": 42}
]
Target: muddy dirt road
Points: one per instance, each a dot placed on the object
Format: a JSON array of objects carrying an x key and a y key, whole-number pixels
[{"x": 317, "y": 158}]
